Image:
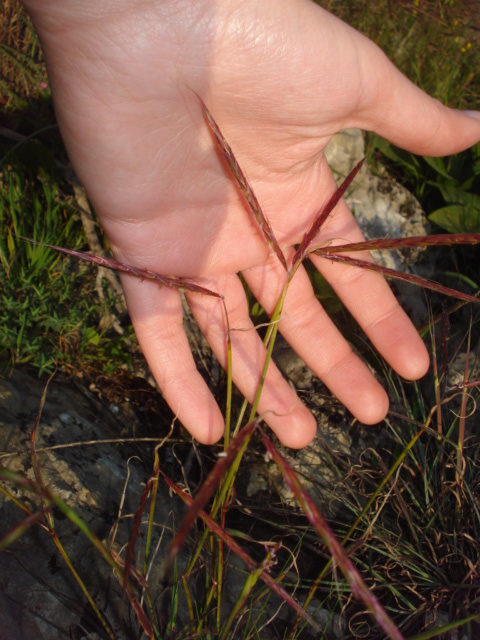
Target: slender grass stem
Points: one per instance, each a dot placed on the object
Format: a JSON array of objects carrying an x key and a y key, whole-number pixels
[
  {"x": 363, "y": 513},
  {"x": 269, "y": 341},
  {"x": 82, "y": 586},
  {"x": 228, "y": 410},
  {"x": 463, "y": 417}
]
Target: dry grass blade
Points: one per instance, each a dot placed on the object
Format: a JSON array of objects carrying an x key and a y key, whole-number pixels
[
  {"x": 323, "y": 214},
  {"x": 406, "y": 277},
  {"x": 47, "y": 498},
  {"x": 447, "y": 239},
  {"x": 137, "y": 521},
  {"x": 182, "y": 284},
  {"x": 243, "y": 555},
  {"x": 35, "y": 462},
  {"x": 335, "y": 549},
  {"x": 214, "y": 478},
  {"x": 244, "y": 185},
  {"x": 18, "y": 531}
]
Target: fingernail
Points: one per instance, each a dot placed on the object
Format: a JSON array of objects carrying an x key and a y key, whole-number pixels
[{"x": 473, "y": 114}]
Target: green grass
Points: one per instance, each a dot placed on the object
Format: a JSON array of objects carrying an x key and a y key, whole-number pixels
[
  {"x": 36, "y": 202},
  {"x": 437, "y": 45},
  {"x": 409, "y": 516},
  {"x": 21, "y": 63},
  {"x": 37, "y": 286}
]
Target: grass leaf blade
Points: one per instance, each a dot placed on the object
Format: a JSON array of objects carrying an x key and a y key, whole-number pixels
[
  {"x": 183, "y": 284},
  {"x": 241, "y": 553},
  {"x": 17, "y": 532},
  {"x": 336, "y": 550},
  {"x": 213, "y": 480},
  {"x": 323, "y": 214},
  {"x": 447, "y": 239},
  {"x": 244, "y": 185},
  {"x": 406, "y": 277}
]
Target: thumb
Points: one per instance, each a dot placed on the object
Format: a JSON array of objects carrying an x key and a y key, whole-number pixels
[{"x": 402, "y": 113}]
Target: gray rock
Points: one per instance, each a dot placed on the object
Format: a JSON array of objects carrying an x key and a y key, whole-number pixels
[
  {"x": 39, "y": 598},
  {"x": 320, "y": 466},
  {"x": 458, "y": 366}
]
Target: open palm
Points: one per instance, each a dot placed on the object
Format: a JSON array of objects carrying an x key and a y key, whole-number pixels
[{"x": 280, "y": 79}]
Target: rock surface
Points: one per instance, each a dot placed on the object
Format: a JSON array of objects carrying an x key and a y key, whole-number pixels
[
  {"x": 101, "y": 477},
  {"x": 40, "y": 599}
]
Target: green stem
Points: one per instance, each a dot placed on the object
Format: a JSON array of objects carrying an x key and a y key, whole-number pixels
[
  {"x": 227, "y": 484},
  {"x": 82, "y": 586},
  {"x": 269, "y": 341},
  {"x": 228, "y": 412},
  {"x": 365, "y": 510}
]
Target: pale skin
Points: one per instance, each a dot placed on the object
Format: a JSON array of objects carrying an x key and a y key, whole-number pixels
[{"x": 280, "y": 77}]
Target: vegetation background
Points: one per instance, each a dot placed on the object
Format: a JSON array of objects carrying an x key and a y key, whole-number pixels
[{"x": 415, "y": 540}]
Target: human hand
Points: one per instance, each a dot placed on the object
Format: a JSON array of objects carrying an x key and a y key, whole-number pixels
[{"x": 280, "y": 79}]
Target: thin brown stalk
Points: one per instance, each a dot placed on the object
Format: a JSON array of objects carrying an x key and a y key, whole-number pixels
[{"x": 463, "y": 417}]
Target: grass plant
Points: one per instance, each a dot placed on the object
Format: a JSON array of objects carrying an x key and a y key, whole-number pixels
[
  {"x": 402, "y": 556},
  {"x": 222, "y": 477},
  {"x": 433, "y": 42},
  {"x": 437, "y": 45},
  {"x": 22, "y": 70},
  {"x": 36, "y": 287}
]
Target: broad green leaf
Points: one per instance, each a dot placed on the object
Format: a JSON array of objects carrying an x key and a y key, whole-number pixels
[
  {"x": 438, "y": 165},
  {"x": 455, "y": 195},
  {"x": 399, "y": 156},
  {"x": 457, "y": 218}
]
